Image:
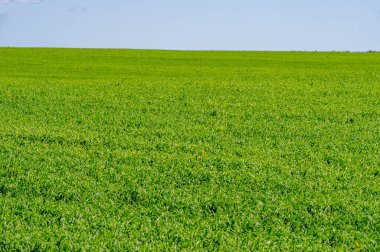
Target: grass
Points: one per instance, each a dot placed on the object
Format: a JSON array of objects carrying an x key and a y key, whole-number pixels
[{"x": 169, "y": 150}]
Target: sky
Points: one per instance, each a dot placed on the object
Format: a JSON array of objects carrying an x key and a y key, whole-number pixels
[{"x": 274, "y": 25}]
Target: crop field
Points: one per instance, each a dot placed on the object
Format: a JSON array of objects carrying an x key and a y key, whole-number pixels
[{"x": 127, "y": 150}]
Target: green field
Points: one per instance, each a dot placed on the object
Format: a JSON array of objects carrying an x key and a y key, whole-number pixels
[{"x": 166, "y": 150}]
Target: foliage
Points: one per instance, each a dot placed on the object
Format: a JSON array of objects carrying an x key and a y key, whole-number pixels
[{"x": 169, "y": 150}]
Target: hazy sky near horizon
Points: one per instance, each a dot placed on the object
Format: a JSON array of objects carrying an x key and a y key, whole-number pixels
[{"x": 322, "y": 25}]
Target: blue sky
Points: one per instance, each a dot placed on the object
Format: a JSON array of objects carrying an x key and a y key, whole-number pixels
[{"x": 310, "y": 25}]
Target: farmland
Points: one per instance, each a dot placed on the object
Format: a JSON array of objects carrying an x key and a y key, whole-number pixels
[{"x": 181, "y": 150}]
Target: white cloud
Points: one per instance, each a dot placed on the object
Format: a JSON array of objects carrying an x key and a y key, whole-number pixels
[
  {"x": 76, "y": 9},
  {"x": 20, "y": 1}
]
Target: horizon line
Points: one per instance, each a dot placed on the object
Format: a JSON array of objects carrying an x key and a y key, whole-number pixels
[{"x": 186, "y": 50}]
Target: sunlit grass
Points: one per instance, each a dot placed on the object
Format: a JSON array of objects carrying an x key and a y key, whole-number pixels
[{"x": 158, "y": 150}]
